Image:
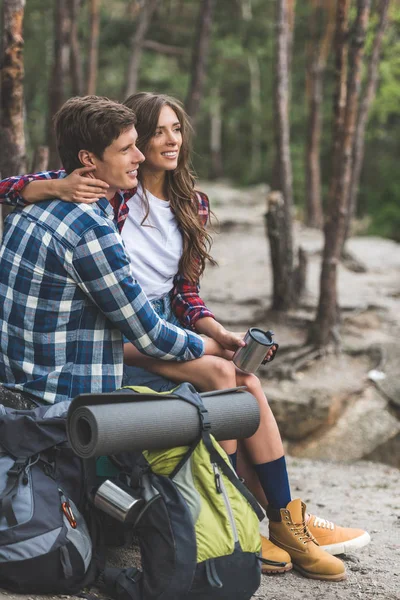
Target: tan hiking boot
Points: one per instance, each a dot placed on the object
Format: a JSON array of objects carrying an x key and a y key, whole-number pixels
[
  {"x": 334, "y": 539},
  {"x": 288, "y": 530},
  {"x": 277, "y": 560}
]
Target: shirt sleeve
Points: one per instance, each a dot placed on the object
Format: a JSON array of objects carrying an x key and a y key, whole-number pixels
[
  {"x": 101, "y": 268},
  {"x": 11, "y": 188},
  {"x": 187, "y": 304}
]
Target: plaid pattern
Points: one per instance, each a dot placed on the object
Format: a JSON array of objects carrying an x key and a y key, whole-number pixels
[
  {"x": 67, "y": 297},
  {"x": 186, "y": 302}
]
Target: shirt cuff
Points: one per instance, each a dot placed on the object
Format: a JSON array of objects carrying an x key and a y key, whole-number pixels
[
  {"x": 14, "y": 196},
  {"x": 194, "y": 314}
]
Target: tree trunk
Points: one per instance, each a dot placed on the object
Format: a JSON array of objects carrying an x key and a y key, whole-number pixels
[
  {"x": 291, "y": 11},
  {"x": 345, "y": 117},
  {"x": 255, "y": 103},
  {"x": 318, "y": 53},
  {"x": 13, "y": 152},
  {"x": 368, "y": 97},
  {"x": 283, "y": 269},
  {"x": 75, "y": 55},
  {"x": 216, "y": 170},
  {"x": 40, "y": 159},
  {"x": 143, "y": 25},
  {"x": 93, "y": 47},
  {"x": 199, "y": 59},
  {"x": 58, "y": 81}
]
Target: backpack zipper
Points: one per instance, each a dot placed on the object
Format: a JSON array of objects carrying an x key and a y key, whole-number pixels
[{"x": 221, "y": 489}]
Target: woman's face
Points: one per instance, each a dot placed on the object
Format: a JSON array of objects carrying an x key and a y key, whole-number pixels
[{"x": 162, "y": 152}]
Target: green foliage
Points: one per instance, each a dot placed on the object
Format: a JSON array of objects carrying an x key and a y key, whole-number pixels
[{"x": 245, "y": 126}]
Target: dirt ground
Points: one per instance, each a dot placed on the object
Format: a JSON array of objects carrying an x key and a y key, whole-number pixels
[{"x": 361, "y": 494}]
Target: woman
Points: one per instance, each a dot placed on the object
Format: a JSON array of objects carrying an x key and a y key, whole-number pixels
[{"x": 166, "y": 240}]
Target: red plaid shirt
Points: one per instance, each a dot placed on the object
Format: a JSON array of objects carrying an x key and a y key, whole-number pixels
[{"x": 186, "y": 302}]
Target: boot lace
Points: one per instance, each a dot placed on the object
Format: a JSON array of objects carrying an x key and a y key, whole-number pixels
[
  {"x": 323, "y": 523},
  {"x": 301, "y": 530}
]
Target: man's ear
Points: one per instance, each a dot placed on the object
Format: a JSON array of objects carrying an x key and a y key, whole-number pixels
[{"x": 86, "y": 158}]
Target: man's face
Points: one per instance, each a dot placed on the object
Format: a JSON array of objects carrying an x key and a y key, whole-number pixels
[{"x": 120, "y": 162}]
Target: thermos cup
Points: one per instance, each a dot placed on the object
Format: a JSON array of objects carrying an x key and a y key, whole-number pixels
[
  {"x": 117, "y": 503},
  {"x": 248, "y": 358}
]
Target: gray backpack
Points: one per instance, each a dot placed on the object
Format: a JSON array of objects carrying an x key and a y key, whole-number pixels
[{"x": 45, "y": 545}]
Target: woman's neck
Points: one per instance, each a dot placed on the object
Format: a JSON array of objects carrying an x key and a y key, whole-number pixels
[{"x": 154, "y": 182}]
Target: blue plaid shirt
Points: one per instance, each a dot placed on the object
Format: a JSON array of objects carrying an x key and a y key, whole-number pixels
[{"x": 67, "y": 297}]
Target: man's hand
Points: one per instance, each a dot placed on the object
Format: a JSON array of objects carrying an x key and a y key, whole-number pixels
[
  {"x": 230, "y": 340},
  {"x": 81, "y": 186},
  {"x": 215, "y": 349}
]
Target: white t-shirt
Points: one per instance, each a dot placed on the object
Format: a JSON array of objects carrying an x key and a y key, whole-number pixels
[{"x": 153, "y": 248}]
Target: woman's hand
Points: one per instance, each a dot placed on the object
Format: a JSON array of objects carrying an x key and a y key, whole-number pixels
[{"x": 81, "y": 186}]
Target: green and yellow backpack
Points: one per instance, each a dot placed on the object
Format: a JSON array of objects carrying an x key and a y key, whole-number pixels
[{"x": 199, "y": 528}]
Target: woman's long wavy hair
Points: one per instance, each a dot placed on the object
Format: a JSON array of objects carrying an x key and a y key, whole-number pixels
[{"x": 179, "y": 183}]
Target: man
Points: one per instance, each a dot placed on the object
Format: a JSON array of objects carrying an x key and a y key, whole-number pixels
[{"x": 65, "y": 282}]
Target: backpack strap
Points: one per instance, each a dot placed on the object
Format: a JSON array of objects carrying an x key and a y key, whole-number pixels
[
  {"x": 188, "y": 393},
  {"x": 231, "y": 475},
  {"x": 10, "y": 491}
]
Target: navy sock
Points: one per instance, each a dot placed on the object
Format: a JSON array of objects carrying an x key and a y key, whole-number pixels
[
  {"x": 233, "y": 459},
  {"x": 275, "y": 482}
]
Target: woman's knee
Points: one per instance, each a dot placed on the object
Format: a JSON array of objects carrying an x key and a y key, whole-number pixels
[
  {"x": 222, "y": 373},
  {"x": 254, "y": 386}
]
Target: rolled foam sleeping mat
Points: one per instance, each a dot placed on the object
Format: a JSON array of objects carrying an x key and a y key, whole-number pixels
[{"x": 105, "y": 424}]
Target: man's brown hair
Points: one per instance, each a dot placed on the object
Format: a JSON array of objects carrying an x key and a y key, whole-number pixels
[{"x": 89, "y": 123}]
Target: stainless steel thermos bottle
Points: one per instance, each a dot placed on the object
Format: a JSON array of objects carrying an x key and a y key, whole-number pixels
[
  {"x": 117, "y": 503},
  {"x": 250, "y": 357}
]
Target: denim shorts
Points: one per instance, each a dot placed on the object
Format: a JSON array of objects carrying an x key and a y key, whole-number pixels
[{"x": 139, "y": 376}]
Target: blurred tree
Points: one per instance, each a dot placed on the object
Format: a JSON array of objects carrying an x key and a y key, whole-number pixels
[
  {"x": 145, "y": 11},
  {"x": 93, "y": 51},
  {"x": 317, "y": 51},
  {"x": 58, "y": 85},
  {"x": 13, "y": 152},
  {"x": 199, "y": 58},
  {"x": 347, "y": 89},
  {"x": 282, "y": 255},
  {"x": 75, "y": 53},
  {"x": 368, "y": 97},
  {"x": 12, "y": 136},
  {"x": 216, "y": 170}
]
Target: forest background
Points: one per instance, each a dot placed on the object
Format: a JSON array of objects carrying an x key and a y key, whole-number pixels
[{"x": 235, "y": 122}]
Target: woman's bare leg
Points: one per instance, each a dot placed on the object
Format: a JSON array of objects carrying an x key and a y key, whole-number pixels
[
  {"x": 266, "y": 444},
  {"x": 246, "y": 470}
]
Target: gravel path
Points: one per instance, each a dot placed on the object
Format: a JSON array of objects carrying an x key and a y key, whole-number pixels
[{"x": 363, "y": 494}]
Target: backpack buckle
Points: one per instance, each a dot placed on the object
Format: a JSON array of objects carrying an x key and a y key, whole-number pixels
[
  {"x": 17, "y": 467},
  {"x": 205, "y": 419}
]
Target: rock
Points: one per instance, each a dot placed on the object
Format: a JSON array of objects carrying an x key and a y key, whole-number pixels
[
  {"x": 299, "y": 413},
  {"x": 388, "y": 452},
  {"x": 14, "y": 400},
  {"x": 365, "y": 426},
  {"x": 390, "y": 385}
]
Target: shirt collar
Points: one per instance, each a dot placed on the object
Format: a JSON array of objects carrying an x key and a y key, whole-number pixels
[{"x": 106, "y": 207}]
